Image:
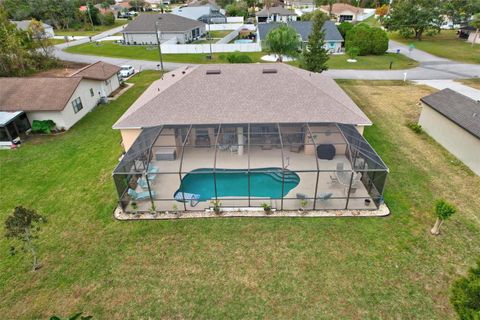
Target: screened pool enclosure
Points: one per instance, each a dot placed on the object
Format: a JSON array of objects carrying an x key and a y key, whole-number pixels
[{"x": 315, "y": 166}]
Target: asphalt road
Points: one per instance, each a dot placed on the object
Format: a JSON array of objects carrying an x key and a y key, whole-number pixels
[{"x": 431, "y": 67}]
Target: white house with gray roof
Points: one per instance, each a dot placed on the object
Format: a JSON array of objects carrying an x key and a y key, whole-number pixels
[
  {"x": 142, "y": 30},
  {"x": 333, "y": 38},
  {"x": 205, "y": 13},
  {"x": 453, "y": 120}
]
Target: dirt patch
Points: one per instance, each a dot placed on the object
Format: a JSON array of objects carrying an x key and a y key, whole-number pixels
[
  {"x": 65, "y": 70},
  {"x": 474, "y": 83}
]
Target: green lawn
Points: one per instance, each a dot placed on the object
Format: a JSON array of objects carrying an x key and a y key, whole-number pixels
[
  {"x": 338, "y": 268},
  {"x": 88, "y": 31},
  {"x": 219, "y": 33},
  {"x": 111, "y": 49},
  {"x": 372, "y": 21},
  {"x": 372, "y": 62},
  {"x": 445, "y": 45}
]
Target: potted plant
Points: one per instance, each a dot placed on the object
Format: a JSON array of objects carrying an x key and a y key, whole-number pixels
[
  {"x": 134, "y": 206},
  {"x": 216, "y": 206},
  {"x": 303, "y": 205},
  {"x": 367, "y": 202},
  {"x": 267, "y": 208}
]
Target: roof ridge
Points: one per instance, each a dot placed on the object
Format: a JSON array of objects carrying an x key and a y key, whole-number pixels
[{"x": 303, "y": 73}]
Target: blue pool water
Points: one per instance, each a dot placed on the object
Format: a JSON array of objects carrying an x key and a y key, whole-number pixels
[
  {"x": 243, "y": 41},
  {"x": 234, "y": 183}
]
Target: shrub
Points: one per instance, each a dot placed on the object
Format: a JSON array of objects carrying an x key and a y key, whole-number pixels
[
  {"x": 238, "y": 58},
  {"x": 344, "y": 27},
  {"x": 367, "y": 39},
  {"x": 107, "y": 19},
  {"x": 353, "y": 52},
  {"x": 415, "y": 127},
  {"x": 465, "y": 296},
  {"x": 43, "y": 126},
  {"x": 379, "y": 41}
]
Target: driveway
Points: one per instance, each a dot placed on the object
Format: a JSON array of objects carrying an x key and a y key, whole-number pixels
[{"x": 431, "y": 67}]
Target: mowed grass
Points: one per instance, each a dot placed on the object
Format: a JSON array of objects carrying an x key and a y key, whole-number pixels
[
  {"x": 445, "y": 45},
  {"x": 111, "y": 49},
  {"x": 339, "y": 268},
  {"x": 88, "y": 31},
  {"x": 380, "y": 62},
  {"x": 474, "y": 83}
]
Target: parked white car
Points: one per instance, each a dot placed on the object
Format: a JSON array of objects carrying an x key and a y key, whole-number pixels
[{"x": 126, "y": 71}]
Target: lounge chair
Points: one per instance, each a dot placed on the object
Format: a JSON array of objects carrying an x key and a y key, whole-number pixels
[
  {"x": 139, "y": 195},
  {"x": 185, "y": 196},
  {"x": 143, "y": 183},
  {"x": 324, "y": 195}
]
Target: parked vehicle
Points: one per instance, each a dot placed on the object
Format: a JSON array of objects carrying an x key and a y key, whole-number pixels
[{"x": 126, "y": 71}]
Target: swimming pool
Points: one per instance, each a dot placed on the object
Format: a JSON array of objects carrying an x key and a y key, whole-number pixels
[
  {"x": 234, "y": 183},
  {"x": 243, "y": 41}
]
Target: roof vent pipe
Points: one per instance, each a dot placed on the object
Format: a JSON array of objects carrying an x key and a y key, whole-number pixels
[
  {"x": 216, "y": 71},
  {"x": 269, "y": 71}
]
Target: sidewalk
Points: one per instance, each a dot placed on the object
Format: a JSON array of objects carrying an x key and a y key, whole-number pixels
[{"x": 456, "y": 86}]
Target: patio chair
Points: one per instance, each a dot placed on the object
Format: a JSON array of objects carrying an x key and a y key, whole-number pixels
[
  {"x": 139, "y": 195},
  {"x": 143, "y": 183},
  {"x": 324, "y": 195},
  {"x": 185, "y": 196}
]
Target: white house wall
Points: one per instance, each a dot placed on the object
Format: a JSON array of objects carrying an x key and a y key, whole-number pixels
[{"x": 452, "y": 137}]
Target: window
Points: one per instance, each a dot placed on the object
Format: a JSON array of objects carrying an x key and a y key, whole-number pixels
[
  {"x": 107, "y": 82},
  {"x": 77, "y": 105},
  {"x": 91, "y": 92}
]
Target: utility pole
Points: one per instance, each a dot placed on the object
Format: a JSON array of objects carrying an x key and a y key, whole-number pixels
[
  {"x": 210, "y": 35},
  {"x": 159, "y": 46}
]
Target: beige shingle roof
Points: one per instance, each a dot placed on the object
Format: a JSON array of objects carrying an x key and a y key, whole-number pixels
[
  {"x": 338, "y": 8},
  {"x": 98, "y": 71},
  {"x": 36, "y": 94},
  {"x": 242, "y": 93}
]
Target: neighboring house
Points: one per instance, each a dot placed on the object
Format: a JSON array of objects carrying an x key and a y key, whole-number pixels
[
  {"x": 468, "y": 33},
  {"x": 13, "y": 126},
  {"x": 206, "y": 13},
  {"x": 170, "y": 26},
  {"x": 24, "y": 25},
  {"x": 333, "y": 38},
  {"x": 275, "y": 14},
  {"x": 246, "y": 134},
  {"x": 453, "y": 120},
  {"x": 65, "y": 100},
  {"x": 344, "y": 12}
]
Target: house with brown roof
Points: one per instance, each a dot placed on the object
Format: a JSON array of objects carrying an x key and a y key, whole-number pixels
[
  {"x": 64, "y": 100},
  {"x": 243, "y": 135},
  {"x": 453, "y": 120}
]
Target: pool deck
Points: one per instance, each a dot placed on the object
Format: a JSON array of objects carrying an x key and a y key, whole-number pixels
[{"x": 166, "y": 184}]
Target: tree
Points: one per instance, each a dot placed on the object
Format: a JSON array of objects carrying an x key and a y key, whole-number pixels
[
  {"x": 460, "y": 10},
  {"x": 414, "y": 17},
  {"x": 476, "y": 24},
  {"x": 315, "y": 56},
  {"x": 39, "y": 37},
  {"x": 368, "y": 40},
  {"x": 344, "y": 27},
  {"x": 443, "y": 211},
  {"x": 382, "y": 11},
  {"x": 237, "y": 9},
  {"x": 283, "y": 41},
  {"x": 465, "y": 296},
  {"x": 23, "y": 225},
  {"x": 328, "y": 3}
]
